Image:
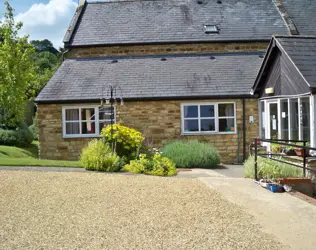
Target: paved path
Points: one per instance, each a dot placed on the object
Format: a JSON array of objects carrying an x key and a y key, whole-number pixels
[
  {"x": 232, "y": 171},
  {"x": 291, "y": 220}
]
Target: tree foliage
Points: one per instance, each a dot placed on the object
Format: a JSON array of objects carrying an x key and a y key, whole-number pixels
[
  {"x": 46, "y": 65},
  {"x": 17, "y": 70},
  {"x": 44, "y": 45}
]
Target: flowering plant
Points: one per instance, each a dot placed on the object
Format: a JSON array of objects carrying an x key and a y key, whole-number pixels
[
  {"x": 126, "y": 141},
  {"x": 156, "y": 165}
]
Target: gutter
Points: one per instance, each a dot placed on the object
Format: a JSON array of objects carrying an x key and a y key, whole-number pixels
[
  {"x": 131, "y": 99},
  {"x": 168, "y": 42}
]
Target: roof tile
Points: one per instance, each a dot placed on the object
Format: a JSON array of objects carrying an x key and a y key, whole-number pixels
[
  {"x": 122, "y": 22},
  {"x": 230, "y": 74}
]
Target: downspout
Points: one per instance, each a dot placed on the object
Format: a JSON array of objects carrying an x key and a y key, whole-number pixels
[
  {"x": 63, "y": 55},
  {"x": 244, "y": 127}
]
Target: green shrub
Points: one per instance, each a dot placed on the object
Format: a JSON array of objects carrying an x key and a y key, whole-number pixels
[
  {"x": 191, "y": 154},
  {"x": 157, "y": 165},
  {"x": 137, "y": 166},
  {"x": 161, "y": 166},
  {"x": 20, "y": 136},
  {"x": 33, "y": 128},
  {"x": 269, "y": 169},
  {"x": 97, "y": 156},
  {"x": 127, "y": 140}
]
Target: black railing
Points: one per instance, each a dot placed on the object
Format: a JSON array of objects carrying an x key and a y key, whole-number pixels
[{"x": 289, "y": 143}]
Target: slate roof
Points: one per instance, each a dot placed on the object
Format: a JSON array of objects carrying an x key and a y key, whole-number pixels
[
  {"x": 149, "y": 77},
  {"x": 158, "y": 21},
  {"x": 302, "y": 51},
  {"x": 303, "y": 14}
]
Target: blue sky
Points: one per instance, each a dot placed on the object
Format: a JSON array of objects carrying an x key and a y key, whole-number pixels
[{"x": 43, "y": 18}]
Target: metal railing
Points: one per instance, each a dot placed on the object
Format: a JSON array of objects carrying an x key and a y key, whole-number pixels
[{"x": 289, "y": 143}]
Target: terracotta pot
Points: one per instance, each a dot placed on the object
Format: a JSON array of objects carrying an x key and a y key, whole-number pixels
[
  {"x": 290, "y": 152},
  {"x": 300, "y": 152}
]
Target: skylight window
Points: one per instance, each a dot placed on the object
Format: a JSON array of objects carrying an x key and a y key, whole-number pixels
[{"x": 211, "y": 29}]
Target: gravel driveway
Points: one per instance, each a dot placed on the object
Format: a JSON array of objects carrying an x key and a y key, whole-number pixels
[{"x": 42, "y": 210}]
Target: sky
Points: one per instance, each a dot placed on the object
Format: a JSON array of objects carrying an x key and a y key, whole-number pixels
[{"x": 43, "y": 19}]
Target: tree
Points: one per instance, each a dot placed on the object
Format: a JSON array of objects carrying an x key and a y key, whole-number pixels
[
  {"x": 44, "y": 45},
  {"x": 46, "y": 65},
  {"x": 17, "y": 70},
  {"x": 45, "y": 60}
]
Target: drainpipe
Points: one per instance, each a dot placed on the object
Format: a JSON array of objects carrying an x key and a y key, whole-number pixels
[
  {"x": 244, "y": 127},
  {"x": 63, "y": 55}
]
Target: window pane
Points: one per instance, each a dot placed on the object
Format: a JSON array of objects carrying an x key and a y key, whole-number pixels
[
  {"x": 72, "y": 114},
  {"x": 208, "y": 125},
  {"x": 87, "y": 114},
  {"x": 103, "y": 124},
  {"x": 226, "y": 109},
  {"x": 191, "y": 125},
  {"x": 226, "y": 125},
  {"x": 274, "y": 120},
  {"x": 190, "y": 111},
  {"x": 207, "y": 110},
  {"x": 294, "y": 119},
  {"x": 284, "y": 120},
  {"x": 305, "y": 119},
  {"x": 72, "y": 128},
  {"x": 105, "y": 113},
  {"x": 88, "y": 128}
]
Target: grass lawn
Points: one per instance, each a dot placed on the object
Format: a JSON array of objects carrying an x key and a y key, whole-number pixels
[{"x": 14, "y": 156}]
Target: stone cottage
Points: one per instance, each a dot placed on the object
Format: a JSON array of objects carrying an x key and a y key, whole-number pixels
[{"x": 183, "y": 68}]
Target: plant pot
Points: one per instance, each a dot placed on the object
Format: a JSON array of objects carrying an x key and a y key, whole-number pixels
[
  {"x": 275, "y": 188},
  {"x": 300, "y": 152},
  {"x": 290, "y": 152}
]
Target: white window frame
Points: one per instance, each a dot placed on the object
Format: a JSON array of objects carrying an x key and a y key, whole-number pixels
[
  {"x": 97, "y": 120},
  {"x": 278, "y": 100},
  {"x": 216, "y": 118}
]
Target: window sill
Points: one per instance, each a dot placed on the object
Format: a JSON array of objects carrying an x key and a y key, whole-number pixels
[
  {"x": 80, "y": 136},
  {"x": 209, "y": 133}
]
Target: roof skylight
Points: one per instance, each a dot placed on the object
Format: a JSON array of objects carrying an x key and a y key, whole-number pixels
[{"x": 211, "y": 29}]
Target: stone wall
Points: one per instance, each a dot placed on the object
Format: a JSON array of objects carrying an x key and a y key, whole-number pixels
[
  {"x": 160, "y": 121},
  {"x": 166, "y": 49}
]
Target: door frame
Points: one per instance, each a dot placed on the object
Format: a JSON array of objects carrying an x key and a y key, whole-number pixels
[{"x": 268, "y": 120}]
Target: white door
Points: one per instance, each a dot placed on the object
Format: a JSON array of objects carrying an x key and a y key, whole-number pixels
[{"x": 272, "y": 120}]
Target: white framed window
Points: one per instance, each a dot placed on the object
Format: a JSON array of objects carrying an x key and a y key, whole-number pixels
[
  {"x": 289, "y": 120},
  {"x": 85, "y": 121},
  {"x": 208, "y": 118}
]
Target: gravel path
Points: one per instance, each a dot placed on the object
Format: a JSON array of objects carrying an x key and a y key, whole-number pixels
[{"x": 42, "y": 210}]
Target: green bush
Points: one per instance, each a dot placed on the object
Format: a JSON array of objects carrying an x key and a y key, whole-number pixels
[
  {"x": 137, "y": 166},
  {"x": 161, "y": 166},
  {"x": 157, "y": 165},
  {"x": 97, "y": 156},
  {"x": 21, "y": 136},
  {"x": 269, "y": 169},
  {"x": 191, "y": 154},
  {"x": 33, "y": 129},
  {"x": 127, "y": 141}
]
